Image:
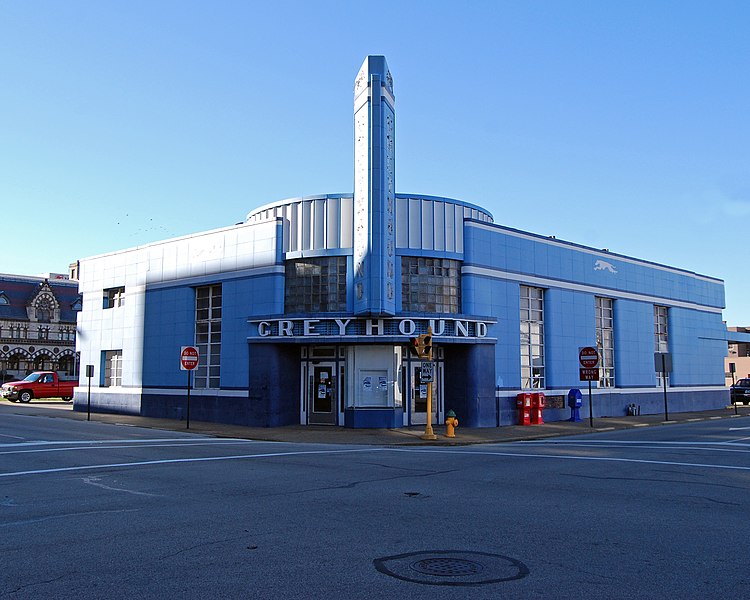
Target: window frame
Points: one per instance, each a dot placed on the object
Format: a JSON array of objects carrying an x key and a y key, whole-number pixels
[
  {"x": 531, "y": 337},
  {"x": 113, "y": 297},
  {"x": 605, "y": 340}
]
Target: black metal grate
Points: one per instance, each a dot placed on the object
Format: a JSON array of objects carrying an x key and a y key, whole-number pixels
[{"x": 447, "y": 567}]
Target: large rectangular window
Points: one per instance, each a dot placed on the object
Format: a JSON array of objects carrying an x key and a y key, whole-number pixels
[
  {"x": 430, "y": 285},
  {"x": 113, "y": 297},
  {"x": 208, "y": 336},
  {"x": 112, "y": 368},
  {"x": 532, "y": 337},
  {"x": 661, "y": 336},
  {"x": 605, "y": 341},
  {"x": 314, "y": 285}
]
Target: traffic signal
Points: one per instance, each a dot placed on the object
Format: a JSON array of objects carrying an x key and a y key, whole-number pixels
[
  {"x": 421, "y": 346},
  {"x": 426, "y": 346}
]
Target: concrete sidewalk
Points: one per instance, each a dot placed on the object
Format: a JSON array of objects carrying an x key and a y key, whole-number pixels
[{"x": 319, "y": 434}]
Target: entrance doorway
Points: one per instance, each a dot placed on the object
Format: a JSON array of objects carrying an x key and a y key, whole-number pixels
[
  {"x": 322, "y": 398},
  {"x": 418, "y": 394}
]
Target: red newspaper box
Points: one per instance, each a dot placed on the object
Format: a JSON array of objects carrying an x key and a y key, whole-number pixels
[
  {"x": 537, "y": 405},
  {"x": 523, "y": 404}
]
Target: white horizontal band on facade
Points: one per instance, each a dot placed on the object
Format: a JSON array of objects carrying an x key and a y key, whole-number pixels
[
  {"x": 594, "y": 252},
  {"x": 579, "y": 287}
]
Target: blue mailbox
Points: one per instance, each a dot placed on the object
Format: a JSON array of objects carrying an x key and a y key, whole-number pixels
[{"x": 575, "y": 400}]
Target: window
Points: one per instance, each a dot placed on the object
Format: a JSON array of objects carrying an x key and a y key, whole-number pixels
[
  {"x": 315, "y": 285},
  {"x": 605, "y": 341},
  {"x": 4, "y": 299},
  {"x": 661, "y": 337},
  {"x": 208, "y": 336},
  {"x": 532, "y": 337},
  {"x": 430, "y": 285},
  {"x": 112, "y": 368},
  {"x": 45, "y": 308},
  {"x": 114, "y": 297}
]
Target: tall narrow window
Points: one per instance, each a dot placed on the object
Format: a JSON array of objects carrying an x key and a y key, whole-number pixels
[
  {"x": 661, "y": 338},
  {"x": 532, "y": 337},
  {"x": 208, "y": 336},
  {"x": 112, "y": 368},
  {"x": 605, "y": 341}
]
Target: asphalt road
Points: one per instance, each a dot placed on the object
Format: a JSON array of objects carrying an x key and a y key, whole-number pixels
[{"x": 93, "y": 510}]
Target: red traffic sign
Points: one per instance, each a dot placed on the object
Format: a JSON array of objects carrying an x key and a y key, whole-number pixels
[
  {"x": 188, "y": 358},
  {"x": 586, "y": 374},
  {"x": 588, "y": 357}
]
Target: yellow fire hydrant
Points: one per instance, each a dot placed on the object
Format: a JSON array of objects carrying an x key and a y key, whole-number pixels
[{"x": 451, "y": 422}]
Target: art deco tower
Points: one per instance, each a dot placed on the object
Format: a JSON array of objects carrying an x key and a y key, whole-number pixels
[{"x": 374, "y": 189}]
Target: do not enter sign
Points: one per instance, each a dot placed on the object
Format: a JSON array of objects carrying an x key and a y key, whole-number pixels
[
  {"x": 588, "y": 357},
  {"x": 188, "y": 358}
]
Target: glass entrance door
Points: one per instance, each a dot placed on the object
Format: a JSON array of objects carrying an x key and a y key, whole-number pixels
[
  {"x": 322, "y": 394},
  {"x": 418, "y": 395}
]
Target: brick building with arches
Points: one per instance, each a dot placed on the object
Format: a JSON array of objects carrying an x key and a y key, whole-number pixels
[{"x": 38, "y": 325}]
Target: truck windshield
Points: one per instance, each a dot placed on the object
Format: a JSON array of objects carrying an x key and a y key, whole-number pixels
[{"x": 32, "y": 377}]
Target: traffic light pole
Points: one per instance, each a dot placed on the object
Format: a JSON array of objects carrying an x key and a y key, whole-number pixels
[{"x": 428, "y": 433}]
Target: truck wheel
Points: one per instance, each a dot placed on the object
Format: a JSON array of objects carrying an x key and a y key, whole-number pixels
[{"x": 25, "y": 396}]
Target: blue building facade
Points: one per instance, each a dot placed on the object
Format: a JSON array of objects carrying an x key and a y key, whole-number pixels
[{"x": 304, "y": 312}]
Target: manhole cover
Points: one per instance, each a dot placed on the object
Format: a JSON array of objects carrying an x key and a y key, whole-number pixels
[
  {"x": 447, "y": 567},
  {"x": 452, "y": 567}
]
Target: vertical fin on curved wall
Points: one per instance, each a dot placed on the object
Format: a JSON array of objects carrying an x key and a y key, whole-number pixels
[{"x": 374, "y": 246}]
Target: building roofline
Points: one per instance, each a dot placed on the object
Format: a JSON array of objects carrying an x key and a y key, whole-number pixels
[
  {"x": 351, "y": 195},
  {"x": 553, "y": 241}
]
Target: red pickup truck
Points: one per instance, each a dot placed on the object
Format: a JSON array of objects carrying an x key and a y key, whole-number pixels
[{"x": 40, "y": 384}]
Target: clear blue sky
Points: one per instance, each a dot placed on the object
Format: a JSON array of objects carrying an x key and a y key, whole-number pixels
[{"x": 620, "y": 125}]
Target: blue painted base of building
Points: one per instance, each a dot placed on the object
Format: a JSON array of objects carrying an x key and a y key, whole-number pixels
[
  {"x": 231, "y": 410},
  {"x": 373, "y": 418},
  {"x": 615, "y": 403}
]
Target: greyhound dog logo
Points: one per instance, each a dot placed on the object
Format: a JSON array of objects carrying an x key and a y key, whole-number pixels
[{"x": 603, "y": 265}]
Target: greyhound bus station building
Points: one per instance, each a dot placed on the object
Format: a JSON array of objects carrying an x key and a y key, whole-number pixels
[{"x": 304, "y": 312}]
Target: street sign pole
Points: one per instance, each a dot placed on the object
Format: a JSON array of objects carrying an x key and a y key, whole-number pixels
[
  {"x": 429, "y": 434},
  {"x": 664, "y": 379},
  {"x": 187, "y": 412},
  {"x": 588, "y": 358},
  {"x": 189, "y": 358},
  {"x": 89, "y": 374}
]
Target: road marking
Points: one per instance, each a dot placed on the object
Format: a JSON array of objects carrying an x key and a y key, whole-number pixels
[
  {"x": 622, "y": 442},
  {"x": 94, "y": 480},
  {"x": 738, "y": 428},
  {"x": 641, "y": 425},
  {"x": 467, "y": 453},
  {"x": 201, "y": 439},
  {"x": 168, "y": 461},
  {"x": 589, "y": 458},
  {"x": 144, "y": 445}
]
